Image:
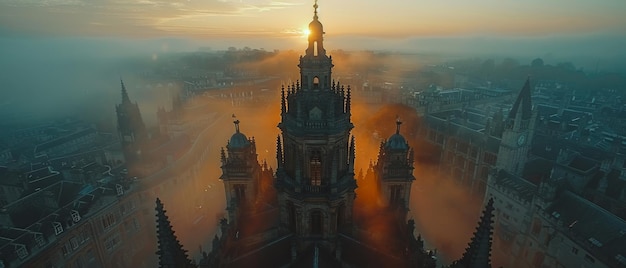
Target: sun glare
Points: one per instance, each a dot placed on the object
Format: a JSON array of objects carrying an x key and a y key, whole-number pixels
[{"x": 305, "y": 32}]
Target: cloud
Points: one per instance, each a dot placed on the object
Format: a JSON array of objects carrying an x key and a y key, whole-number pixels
[{"x": 130, "y": 17}]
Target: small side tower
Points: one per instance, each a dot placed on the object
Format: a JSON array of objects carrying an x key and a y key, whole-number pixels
[
  {"x": 394, "y": 170},
  {"x": 241, "y": 172},
  {"x": 129, "y": 123}
]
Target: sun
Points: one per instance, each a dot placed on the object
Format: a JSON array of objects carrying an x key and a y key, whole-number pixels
[{"x": 305, "y": 32}]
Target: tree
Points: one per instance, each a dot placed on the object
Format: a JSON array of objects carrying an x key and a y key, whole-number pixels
[{"x": 538, "y": 62}]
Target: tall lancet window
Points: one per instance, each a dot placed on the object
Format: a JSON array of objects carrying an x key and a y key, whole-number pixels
[
  {"x": 315, "y": 168},
  {"x": 315, "y": 48},
  {"x": 316, "y": 82}
]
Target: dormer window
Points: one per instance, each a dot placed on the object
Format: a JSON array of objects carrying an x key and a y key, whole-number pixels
[
  {"x": 75, "y": 215},
  {"x": 39, "y": 240},
  {"x": 21, "y": 251},
  {"x": 119, "y": 189},
  {"x": 58, "y": 228}
]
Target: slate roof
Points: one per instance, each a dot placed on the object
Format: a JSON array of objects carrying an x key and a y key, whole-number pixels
[
  {"x": 524, "y": 189},
  {"x": 522, "y": 103},
  {"x": 592, "y": 226}
]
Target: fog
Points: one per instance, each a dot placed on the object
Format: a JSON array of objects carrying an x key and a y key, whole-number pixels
[{"x": 46, "y": 78}]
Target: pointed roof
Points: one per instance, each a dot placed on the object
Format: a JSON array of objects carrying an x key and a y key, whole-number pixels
[
  {"x": 522, "y": 103},
  {"x": 478, "y": 252},
  {"x": 125, "y": 98},
  {"x": 397, "y": 141},
  {"x": 171, "y": 252}
]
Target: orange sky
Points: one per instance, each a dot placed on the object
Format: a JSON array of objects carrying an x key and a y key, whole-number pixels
[{"x": 287, "y": 18}]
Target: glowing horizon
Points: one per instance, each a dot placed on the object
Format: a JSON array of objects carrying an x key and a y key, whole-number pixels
[{"x": 286, "y": 18}]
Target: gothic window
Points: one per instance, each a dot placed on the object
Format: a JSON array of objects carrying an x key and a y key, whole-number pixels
[
  {"x": 316, "y": 82},
  {"x": 396, "y": 196},
  {"x": 315, "y": 48},
  {"x": 315, "y": 167},
  {"x": 316, "y": 222},
  {"x": 240, "y": 192}
]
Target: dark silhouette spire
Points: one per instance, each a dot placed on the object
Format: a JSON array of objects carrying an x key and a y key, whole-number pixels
[
  {"x": 398, "y": 123},
  {"x": 348, "y": 100},
  {"x": 125, "y": 98},
  {"x": 478, "y": 252},
  {"x": 171, "y": 252},
  {"x": 283, "y": 106},
  {"x": 279, "y": 152},
  {"x": 522, "y": 105}
]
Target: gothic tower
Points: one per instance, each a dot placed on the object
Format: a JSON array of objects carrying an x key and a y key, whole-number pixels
[
  {"x": 315, "y": 175},
  {"x": 394, "y": 170},
  {"x": 517, "y": 135},
  {"x": 130, "y": 126},
  {"x": 241, "y": 172}
]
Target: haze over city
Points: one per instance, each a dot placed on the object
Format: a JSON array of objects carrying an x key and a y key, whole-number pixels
[{"x": 428, "y": 70}]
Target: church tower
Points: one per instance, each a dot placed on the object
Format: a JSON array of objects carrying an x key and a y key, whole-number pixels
[
  {"x": 394, "y": 170},
  {"x": 241, "y": 172},
  {"x": 517, "y": 135},
  {"x": 130, "y": 126},
  {"x": 315, "y": 175}
]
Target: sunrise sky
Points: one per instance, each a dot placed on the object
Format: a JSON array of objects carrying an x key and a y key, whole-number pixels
[{"x": 287, "y": 18}]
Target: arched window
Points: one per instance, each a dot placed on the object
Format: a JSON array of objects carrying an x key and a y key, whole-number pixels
[
  {"x": 315, "y": 48},
  {"x": 315, "y": 169},
  {"x": 316, "y": 82}
]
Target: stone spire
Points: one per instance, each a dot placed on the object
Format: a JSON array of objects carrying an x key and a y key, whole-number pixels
[
  {"x": 171, "y": 252},
  {"x": 125, "y": 98},
  {"x": 478, "y": 252},
  {"x": 522, "y": 108}
]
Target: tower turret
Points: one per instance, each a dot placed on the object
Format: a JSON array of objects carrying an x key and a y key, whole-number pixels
[
  {"x": 241, "y": 172},
  {"x": 394, "y": 170},
  {"x": 517, "y": 134}
]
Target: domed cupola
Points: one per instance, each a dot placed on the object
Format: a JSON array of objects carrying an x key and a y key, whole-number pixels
[
  {"x": 316, "y": 36},
  {"x": 397, "y": 141},
  {"x": 238, "y": 140}
]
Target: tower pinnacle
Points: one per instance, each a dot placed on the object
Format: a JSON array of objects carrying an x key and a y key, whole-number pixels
[
  {"x": 398, "y": 123},
  {"x": 315, "y": 6}
]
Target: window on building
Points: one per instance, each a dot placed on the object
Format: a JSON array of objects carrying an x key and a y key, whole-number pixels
[
  {"x": 108, "y": 220},
  {"x": 240, "y": 192},
  {"x": 21, "y": 251},
  {"x": 315, "y": 167},
  {"x": 112, "y": 242},
  {"x": 75, "y": 215},
  {"x": 74, "y": 242},
  {"x": 66, "y": 249},
  {"x": 58, "y": 228},
  {"x": 316, "y": 82},
  {"x": 396, "y": 195},
  {"x": 39, "y": 240},
  {"x": 119, "y": 189}
]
